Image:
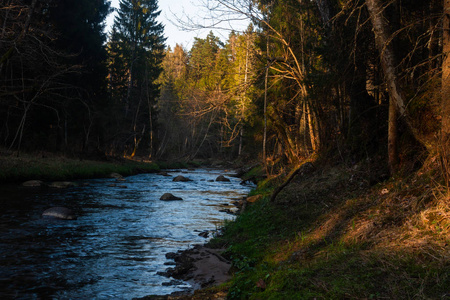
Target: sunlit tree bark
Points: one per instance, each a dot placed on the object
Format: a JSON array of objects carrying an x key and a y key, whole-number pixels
[
  {"x": 445, "y": 94},
  {"x": 446, "y": 71}
]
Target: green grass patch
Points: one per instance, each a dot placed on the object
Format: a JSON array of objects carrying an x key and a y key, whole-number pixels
[
  {"x": 326, "y": 238},
  {"x": 17, "y": 169}
]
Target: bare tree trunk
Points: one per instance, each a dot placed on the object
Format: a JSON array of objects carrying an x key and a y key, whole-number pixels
[
  {"x": 393, "y": 137},
  {"x": 241, "y": 131},
  {"x": 324, "y": 9},
  {"x": 265, "y": 108},
  {"x": 433, "y": 44},
  {"x": 445, "y": 101},
  {"x": 241, "y": 140},
  {"x": 312, "y": 134},
  {"x": 396, "y": 98},
  {"x": 445, "y": 104},
  {"x": 150, "y": 116}
]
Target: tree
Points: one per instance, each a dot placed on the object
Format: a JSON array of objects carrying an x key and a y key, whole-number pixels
[
  {"x": 388, "y": 63},
  {"x": 446, "y": 71},
  {"x": 445, "y": 93},
  {"x": 139, "y": 48},
  {"x": 80, "y": 26},
  {"x": 40, "y": 72}
]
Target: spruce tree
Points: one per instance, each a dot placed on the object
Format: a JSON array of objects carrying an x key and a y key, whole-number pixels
[
  {"x": 140, "y": 43},
  {"x": 80, "y": 27}
]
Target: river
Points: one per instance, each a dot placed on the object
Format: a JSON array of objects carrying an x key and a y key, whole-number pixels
[{"x": 118, "y": 243}]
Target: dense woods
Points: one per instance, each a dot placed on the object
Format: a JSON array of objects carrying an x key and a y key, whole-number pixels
[
  {"x": 357, "y": 78},
  {"x": 65, "y": 89},
  {"x": 53, "y": 74}
]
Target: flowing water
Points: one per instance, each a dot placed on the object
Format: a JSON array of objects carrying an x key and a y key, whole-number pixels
[{"x": 118, "y": 243}]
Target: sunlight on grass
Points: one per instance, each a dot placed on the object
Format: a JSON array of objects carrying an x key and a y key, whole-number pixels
[{"x": 338, "y": 240}]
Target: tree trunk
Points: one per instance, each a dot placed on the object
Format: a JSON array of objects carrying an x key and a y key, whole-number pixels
[
  {"x": 445, "y": 101},
  {"x": 433, "y": 44},
  {"x": 393, "y": 137},
  {"x": 445, "y": 104},
  {"x": 324, "y": 9},
  {"x": 150, "y": 116},
  {"x": 387, "y": 56},
  {"x": 265, "y": 108},
  {"x": 312, "y": 134}
]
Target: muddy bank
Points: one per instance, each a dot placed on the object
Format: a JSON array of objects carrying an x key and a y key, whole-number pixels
[{"x": 200, "y": 266}]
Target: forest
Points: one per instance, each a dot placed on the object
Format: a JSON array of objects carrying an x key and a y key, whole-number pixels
[
  {"x": 358, "y": 78},
  {"x": 339, "y": 111}
]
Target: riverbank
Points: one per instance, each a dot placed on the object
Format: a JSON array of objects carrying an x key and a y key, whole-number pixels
[
  {"x": 15, "y": 169},
  {"x": 50, "y": 167},
  {"x": 340, "y": 232}
]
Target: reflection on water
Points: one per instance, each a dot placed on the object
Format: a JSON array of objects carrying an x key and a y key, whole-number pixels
[{"x": 119, "y": 241}]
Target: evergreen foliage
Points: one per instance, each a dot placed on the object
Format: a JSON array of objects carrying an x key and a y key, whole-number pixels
[
  {"x": 206, "y": 97},
  {"x": 307, "y": 77},
  {"x": 53, "y": 72},
  {"x": 136, "y": 51}
]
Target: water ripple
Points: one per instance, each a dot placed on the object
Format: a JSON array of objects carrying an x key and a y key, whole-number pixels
[{"x": 118, "y": 243}]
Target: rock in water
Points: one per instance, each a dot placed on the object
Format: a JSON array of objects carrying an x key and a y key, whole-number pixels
[
  {"x": 181, "y": 178},
  {"x": 33, "y": 183},
  {"x": 61, "y": 184},
  {"x": 169, "y": 197},
  {"x": 58, "y": 212},
  {"x": 222, "y": 178},
  {"x": 115, "y": 175}
]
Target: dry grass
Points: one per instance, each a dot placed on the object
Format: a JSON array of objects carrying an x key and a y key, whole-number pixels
[{"x": 384, "y": 240}]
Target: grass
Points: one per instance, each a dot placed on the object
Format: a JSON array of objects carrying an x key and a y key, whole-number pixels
[
  {"x": 27, "y": 167},
  {"x": 336, "y": 235},
  {"x": 52, "y": 167}
]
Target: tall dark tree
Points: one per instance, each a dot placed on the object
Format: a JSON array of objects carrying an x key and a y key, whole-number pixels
[
  {"x": 80, "y": 26},
  {"x": 139, "y": 43},
  {"x": 52, "y": 71}
]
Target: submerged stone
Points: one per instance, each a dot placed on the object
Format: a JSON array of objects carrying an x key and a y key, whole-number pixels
[
  {"x": 59, "y": 212},
  {"x": 33, "y": 183},
  {"x": 61, "y": 184}
]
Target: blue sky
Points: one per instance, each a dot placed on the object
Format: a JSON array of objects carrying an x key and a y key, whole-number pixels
[{"x": 171, "y": 10}]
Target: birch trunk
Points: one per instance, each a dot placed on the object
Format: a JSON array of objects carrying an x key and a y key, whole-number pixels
[{"x": 387, "y": 56}]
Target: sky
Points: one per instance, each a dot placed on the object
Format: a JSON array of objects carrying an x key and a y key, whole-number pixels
[{"x": 171, "y": 10}]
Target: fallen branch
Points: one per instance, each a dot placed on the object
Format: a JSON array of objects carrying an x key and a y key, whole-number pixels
[{"x": 306, "y": 168}]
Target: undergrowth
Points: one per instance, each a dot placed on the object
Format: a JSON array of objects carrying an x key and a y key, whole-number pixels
[
  {"x": 17, "y": 169},
  {"x": 340, "y": 234}
]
